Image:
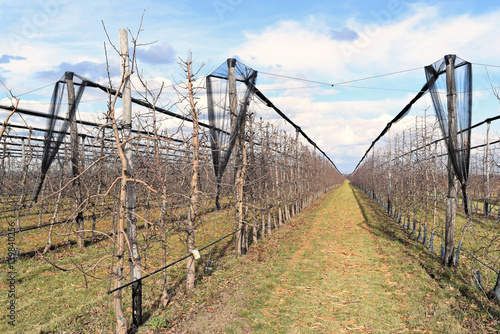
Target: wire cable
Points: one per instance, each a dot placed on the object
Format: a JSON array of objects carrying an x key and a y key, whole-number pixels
[
  {"x": 343, "y": 82},
  {"x": 487, "y": 65},
  {"x": 37, "y": 89}
]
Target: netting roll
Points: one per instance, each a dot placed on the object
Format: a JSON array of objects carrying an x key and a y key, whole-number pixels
[
  {"x": 228, "y": 101},
  {"x": 58, "y": 124},
  {"x": 458, "y": 142}
]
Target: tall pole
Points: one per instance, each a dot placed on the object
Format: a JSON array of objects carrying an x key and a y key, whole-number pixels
[
  {"x": 75, "y": 161},
  {"x": 487, "y": 162},
  {"x": 404, "y": 180},
  {"x": 276, "y": 176},
  {"x": 233, "y": 110},
  {"x": 21, "y": 198},
  {"x": 396, "y": 163},
  {"x": 373, "y": 171},
  {"x": 451, "y": 200},
  {"x": 130, "y": 202},
  {"x": 297, "y": 171},
  {"x": 389, "y": 175},
  {"x": 426, "y": 190},
  {"x": 233, "y": 98}
]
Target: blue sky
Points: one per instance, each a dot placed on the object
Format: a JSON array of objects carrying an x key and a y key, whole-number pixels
[{"x": 324, "y": 41}]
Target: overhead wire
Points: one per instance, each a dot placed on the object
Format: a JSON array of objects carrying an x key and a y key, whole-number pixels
[
  {"x": 37, "y": 89},
  {"x": 487, "y": 65},
  {"x": 342, "y": 82},
  {"x": 320, "y": 83}
]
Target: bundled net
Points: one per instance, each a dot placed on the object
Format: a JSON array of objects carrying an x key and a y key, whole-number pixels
[
  {"x": 59, "y": 119},
  {"x": 229, "y": 89},
  {"x": 456, "y": 131}
]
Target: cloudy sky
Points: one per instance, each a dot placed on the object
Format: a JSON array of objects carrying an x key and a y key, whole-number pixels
[{"x": 299, "y": 48}]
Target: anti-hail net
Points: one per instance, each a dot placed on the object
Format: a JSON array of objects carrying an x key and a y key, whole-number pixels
[
  {"x": 61, "y": 113},
  {"x": 459, "y": 138},
  {"x": 227, "y": 111}
]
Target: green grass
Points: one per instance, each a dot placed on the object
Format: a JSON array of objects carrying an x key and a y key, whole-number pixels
[
  {"x": 485, "y": 231},
  {"x": 341, "y": 265},
  {"x": 49, "y": 299}
]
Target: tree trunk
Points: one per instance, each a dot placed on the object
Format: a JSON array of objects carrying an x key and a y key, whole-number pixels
[
  {"x": 193, "y": 203},
  {"x": 269, "y": 227}
]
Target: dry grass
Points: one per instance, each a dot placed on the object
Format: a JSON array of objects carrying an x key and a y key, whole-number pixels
[
  {"x": 341, "y": 265},
  {"x": 49, "y": 299}
]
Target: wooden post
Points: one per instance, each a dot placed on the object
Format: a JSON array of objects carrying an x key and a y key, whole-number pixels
[
  {"x": 75, "y": 163},
  {"x": 399, "y": 177},
  {"x": 414, "y": 171},
  {"x": 262, "y": 182},
  {"x": 233, "y": 97},
  {"x": 238, "y": 148},
  {"x": 20, "y": 203},
  {"x": 451, "y": 200},
  {"x": 487, "y": 162},
  {"x": 240, "y": 189},
  {"x": 403, "y": 160},
  {"x": 315, "y": 174},
  {"x": 373, "y": 172},
  {"x": 297, "y": 171},
  {"x": 2, "y": 169},
  {"x": 434, "y": 172},
  {"x": 289, "y": 176},
  {"x": 427, "y": 165},
  {"x": 389, "y": 175},
  {"x": 255, "y": 225},
  {"x": 276, "y": 176},
  {"x": 130, "y": 203}
]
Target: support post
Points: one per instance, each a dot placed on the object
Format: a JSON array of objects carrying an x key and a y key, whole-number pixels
[
  {"x": 21, "y": 199},
  {"x": 389, "y": 210},
  {"x": 297, "y": 171},
  {"x": 451, "y": 200},
  {"x": 373, "y": 172},
  {"x": 75, "y": 162},
  {"x": 276, "y": 177},
  {"x": 238, "y": 147},
  {"x": 130, "y": 202},
  {"x": 487, "y": 163}
]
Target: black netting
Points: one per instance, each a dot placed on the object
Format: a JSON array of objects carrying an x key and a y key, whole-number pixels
[
  {"x": 58, "y": 121},
  {"x": 224, "y": 125},
  {"x": 458, "y": 138}
]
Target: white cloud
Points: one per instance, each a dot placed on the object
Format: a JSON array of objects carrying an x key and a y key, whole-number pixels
[
  {"x": 295, "y": 48},
  {"x": 418, "y": 40},
  {"x": 291, "y": 48},
  {"x": 342, "y": 121}
]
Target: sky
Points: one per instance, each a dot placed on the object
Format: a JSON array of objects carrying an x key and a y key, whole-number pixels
[{"x": 310, "y": 55}]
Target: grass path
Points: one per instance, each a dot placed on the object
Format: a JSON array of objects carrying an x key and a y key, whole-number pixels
[{"x": 340, "y": 266}]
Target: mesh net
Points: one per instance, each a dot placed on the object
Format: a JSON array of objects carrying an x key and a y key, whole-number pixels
[
  {"x": 458, "y": 135},
  {"x": 226, "y": 111},
  {"x": 58, "y": 123}
]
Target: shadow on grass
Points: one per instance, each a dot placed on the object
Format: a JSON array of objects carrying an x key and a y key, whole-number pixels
[{"x": 381, "y": 224}]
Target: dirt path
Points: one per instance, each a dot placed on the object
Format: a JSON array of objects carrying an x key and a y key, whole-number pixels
[{"x": 339, "y": 266}]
